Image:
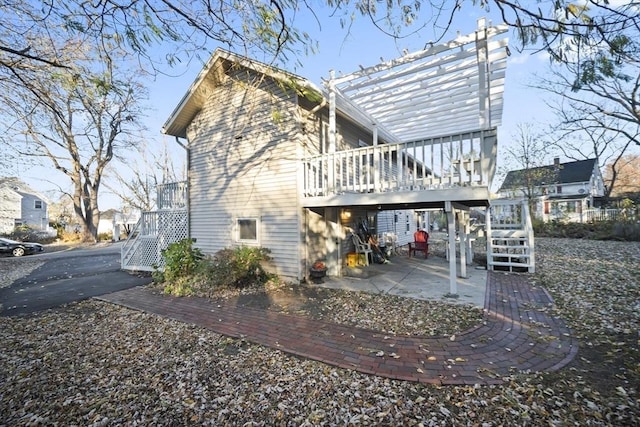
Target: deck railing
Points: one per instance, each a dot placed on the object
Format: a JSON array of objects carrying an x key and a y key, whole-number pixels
[
  {"x": 173, "y": 195},
  {"x": 156, "y": 230},
  {"x": 466, "y": 159},
  {"x": 510, "y": 238}
]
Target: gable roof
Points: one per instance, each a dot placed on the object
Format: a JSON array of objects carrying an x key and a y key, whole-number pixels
[
  {"x": 211, "y": 75},
  {"x": 445, "y": 89},
  {"x": 562, "y": 173},
  {"x": 18, "y": 186}
]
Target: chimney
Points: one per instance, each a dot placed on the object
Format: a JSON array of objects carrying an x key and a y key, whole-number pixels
[{"x": 556, "y": 161}]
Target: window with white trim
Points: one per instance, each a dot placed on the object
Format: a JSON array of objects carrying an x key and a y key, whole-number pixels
[
  {"x": 248, "y": 230},
  {"x": 37, "y": 204}
]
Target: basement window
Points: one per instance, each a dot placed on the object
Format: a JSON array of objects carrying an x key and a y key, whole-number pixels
[{"x": 247, "y": 230}]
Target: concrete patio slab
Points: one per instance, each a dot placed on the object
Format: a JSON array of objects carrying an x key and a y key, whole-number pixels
[{"x": 415, "y": 277}]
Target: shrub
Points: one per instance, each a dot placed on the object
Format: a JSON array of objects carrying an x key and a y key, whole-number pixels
[
  {"x": 601, "y": 230},
  {"x": 71, "y": 236},
  {"x": 24, "y": 233},
  {"x": 627, "y": 231},
  {"x": 181, "y": 260},
  {"x": 238, "y": 267},
  {"x": 187, "y": 272}
]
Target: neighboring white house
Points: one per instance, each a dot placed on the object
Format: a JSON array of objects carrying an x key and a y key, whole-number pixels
[
  {"x": 562, "y": 191},
  {"x": 116, "y": 223},
  {"x": 21, "y": 205}
]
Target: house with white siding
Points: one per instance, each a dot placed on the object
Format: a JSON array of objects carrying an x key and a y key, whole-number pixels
[
  {"x": 20, "y": 205},
  {"x": 559, "y": 191},
  {"x": 277, "y": 162}
]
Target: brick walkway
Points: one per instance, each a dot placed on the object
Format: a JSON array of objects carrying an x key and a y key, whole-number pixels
[{"x": 519, "y": 335}]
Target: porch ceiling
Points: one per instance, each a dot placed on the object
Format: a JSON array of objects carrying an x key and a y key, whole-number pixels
[{"x": 450, "y": 88}]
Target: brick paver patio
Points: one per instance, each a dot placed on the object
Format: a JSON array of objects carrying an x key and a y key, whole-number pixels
[{"x": 519, "y": 334}]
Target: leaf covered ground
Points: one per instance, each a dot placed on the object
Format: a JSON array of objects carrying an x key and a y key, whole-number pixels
[{"x": 93, "y": 363}]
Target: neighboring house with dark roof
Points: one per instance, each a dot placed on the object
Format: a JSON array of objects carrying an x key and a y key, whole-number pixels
[
  {"x": 21, "y": 205},
  {"x": 560, "y": 190}
]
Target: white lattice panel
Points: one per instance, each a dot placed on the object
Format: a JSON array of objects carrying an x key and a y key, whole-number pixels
[{"x": 145, "y": 251}]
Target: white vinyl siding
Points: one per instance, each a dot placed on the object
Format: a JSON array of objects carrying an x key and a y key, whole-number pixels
[{"x": 243, "y": 164}]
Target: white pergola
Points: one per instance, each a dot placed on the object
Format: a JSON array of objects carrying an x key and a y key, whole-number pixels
[{"x": 444, "y": 89}]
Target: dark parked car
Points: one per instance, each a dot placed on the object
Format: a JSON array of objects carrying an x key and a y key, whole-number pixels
[{"x": 11, "y": 247}]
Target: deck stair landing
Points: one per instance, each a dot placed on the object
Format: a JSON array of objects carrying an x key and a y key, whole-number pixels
[{"x": 510, "y": 246}]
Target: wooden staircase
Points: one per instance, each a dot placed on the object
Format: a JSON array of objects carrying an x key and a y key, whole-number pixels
[
  {"x": 510, "y": 240},
  {"x": 156, "y": 230}
]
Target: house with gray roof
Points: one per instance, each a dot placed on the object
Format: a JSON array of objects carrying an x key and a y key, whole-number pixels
[
  {"x": 21, "y": 205},
  {"x": 561, "y": 191}
]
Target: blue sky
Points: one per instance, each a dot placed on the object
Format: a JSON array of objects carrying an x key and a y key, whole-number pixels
[{"x": 342, "y": 52}]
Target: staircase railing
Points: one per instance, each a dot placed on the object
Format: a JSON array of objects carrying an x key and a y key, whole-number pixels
[
  {"x": 156, "y": 230},
  {"x": 510, "y": 237}
]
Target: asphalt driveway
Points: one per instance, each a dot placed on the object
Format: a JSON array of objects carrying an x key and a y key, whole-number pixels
[{"x": 66, "y": 277}]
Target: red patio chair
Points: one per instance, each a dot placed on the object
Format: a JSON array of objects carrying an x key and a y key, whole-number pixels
[{"x": 420, "y": 243}]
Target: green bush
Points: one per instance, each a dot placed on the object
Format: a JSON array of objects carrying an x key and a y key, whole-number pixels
[
  {"x": 238, "y": 267},
  {"x": 181, "y": 261},
  {"x": 188, "y": 272},
  {"x": 25, "y": 233}
]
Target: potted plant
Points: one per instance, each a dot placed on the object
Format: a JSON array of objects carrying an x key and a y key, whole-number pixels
[{"x": 318, "y": 270}]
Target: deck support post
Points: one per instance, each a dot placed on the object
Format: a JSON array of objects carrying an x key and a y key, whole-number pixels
[
  {"x": 451, "y": 229},
  {"x": 462, "y": 219}
]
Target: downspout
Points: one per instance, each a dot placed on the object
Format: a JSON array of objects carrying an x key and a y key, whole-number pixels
[
  {"x": 188, "y": 152},
  {"x": 182, "y": 145}
]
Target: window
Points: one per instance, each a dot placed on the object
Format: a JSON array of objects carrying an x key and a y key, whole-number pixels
[
  {"x": 571, "y": 207},
  {"x": 247, "y": 230},
  {"x": 38, "y": 204},
  {"x": 559, "y": 189}
]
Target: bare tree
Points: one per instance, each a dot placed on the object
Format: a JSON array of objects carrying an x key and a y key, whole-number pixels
[
  {"x": 626, "y": 172},
  {"x": 77, "y": 119},
  {"x": 526, "y": 158},
  {"x": 605, "y": 144},
  {"x": 597, "y": 97},
  {"x": 136, "y": 184}
]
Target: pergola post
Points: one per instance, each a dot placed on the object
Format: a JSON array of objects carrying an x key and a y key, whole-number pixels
[
  {"x": 376, "y": 160},
  {"x": 331, "y": 173}
]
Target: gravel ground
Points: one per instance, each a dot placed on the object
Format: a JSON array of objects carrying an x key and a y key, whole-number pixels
[{"x": 93, "y": 363}]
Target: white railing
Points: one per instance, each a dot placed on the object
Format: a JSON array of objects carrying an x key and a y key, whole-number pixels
[
  {"x": 601, "y": 214},
  {"x": 156, "y": 230},
  {"x": 153, "y": 233},
  {"x": 510, "y": 238},
  {"x": 172, "y": 196},
  {"x": 466, "y": 159}
]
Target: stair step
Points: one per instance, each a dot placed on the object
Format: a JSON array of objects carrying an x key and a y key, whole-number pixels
[
  {"x": 509, "y": 264},
  {"x": 509, "y": 247}
]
